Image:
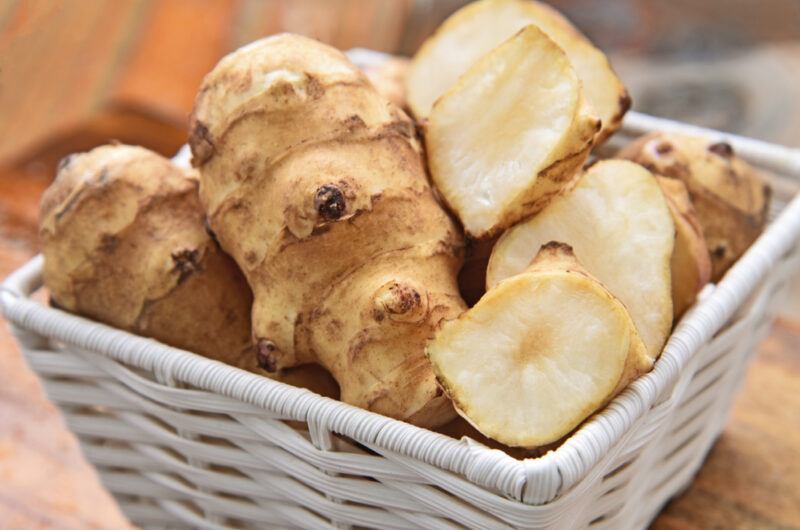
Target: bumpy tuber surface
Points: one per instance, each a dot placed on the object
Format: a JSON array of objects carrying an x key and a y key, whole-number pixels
[
  {"x": 477, "y": 28},
  {"x": 389, "y": 79},
  {"x": 730, "y": 197},
  {"x": 314, "y": 183},
  {"x": 124, "y": 241},
  {"x": 510, "y": 134},
  {"x": 618, "y": 222},
  {"x": 539, "y": 353},
  {"x": 691, "y": 263}
]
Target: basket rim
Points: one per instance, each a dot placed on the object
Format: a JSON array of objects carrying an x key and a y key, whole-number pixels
[{"x": 533, "y": 481}]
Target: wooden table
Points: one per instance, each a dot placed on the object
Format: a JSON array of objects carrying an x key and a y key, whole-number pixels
[{"x": 128, "y": 69}]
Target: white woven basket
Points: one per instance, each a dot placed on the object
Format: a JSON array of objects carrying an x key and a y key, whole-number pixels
[{"x": 186, "y": 442}]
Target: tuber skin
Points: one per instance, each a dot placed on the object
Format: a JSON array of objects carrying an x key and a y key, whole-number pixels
[
  {"x": 729, "y": 196},
  {"x": 690, "y": 263},
  {"x": 514, "y": 365},
  {"x": 125, "y": 243},
  {"x": 316, "y": 186}
]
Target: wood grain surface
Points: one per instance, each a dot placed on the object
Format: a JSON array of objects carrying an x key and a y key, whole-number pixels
[{"x": 74, "y": 74}]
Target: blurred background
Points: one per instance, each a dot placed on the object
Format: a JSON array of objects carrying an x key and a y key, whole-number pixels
[{"x": 75, "y": 72}]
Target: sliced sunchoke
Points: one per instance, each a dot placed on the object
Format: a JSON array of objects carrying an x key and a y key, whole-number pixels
[
  {"x": 477, "y": 28},
  {"x": 618, "y": 222},
  {"x": 510, "y": 134},
  {"x": 539, "y": 353}
]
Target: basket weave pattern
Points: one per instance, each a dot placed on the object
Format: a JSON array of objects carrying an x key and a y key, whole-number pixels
[{"x": 183, "y": 441}]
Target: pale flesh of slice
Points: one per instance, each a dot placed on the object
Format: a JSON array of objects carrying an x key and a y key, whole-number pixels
[
  {"x": 474, "y": 30},
  {"x": 618, "y": 222},
  {"x": 510, "y": 134},
  {"x": 539, "y": 353}
]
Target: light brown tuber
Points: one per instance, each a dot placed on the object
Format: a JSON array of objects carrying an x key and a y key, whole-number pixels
[{"x": 315, "y": 184}]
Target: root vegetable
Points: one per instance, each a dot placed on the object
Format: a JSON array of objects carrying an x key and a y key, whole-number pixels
[
  {"x": 474, "y": 30},
  {"x": 315, "y": 184},
  {"x": 124, "y": 241},
  {"x": 539, "y": 353},
  {"x": 730, "y": 197},
  {"x": 510, "y": 134},
  {"x": 690, "y": 264},
  {"x": 618, "y": 222}
]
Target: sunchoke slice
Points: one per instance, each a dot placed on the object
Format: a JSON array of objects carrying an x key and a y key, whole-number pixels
[
  {"x": 474, "y": 30},
  {"x": 510, "y": 134},
  {"x": 539, "y": 353},
  {"x": 316, "y": 185},
  {"x": 618, "y": 222}
]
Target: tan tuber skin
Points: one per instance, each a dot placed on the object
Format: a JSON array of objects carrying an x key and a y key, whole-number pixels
[
  {"x": 124, "y": 242},
  {"x": 316, "y": 186},
  {"x": 730, "y": 197},
  {"x": 690, "y": 263}
]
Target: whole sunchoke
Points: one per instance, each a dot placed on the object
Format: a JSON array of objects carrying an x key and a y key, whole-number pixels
[
  {"x": 316, "y": 186},
  {"x": 124, "y": 241}
]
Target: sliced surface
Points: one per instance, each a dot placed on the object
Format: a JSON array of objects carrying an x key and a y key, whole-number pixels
[
  {"x": 474, "y": 30},
  {"x": 619, "y": 225},
  {"x": 510, "y": 134},
  {"x": 538, "y": 353}
]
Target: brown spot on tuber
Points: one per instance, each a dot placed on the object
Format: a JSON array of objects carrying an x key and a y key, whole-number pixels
[
  {"x": 201, "y": 144},
  {"x": 267, "y": 355},
  {"x": 398, "y": 301},
  {"x": 649, "y": 166},
  {"x": 723, "y": 149},
  {"x": 354, "y": 122},
  {"x": 314, "y": 88},
  {"x": 557, "y": 246},
  {"x": 108, "y": 243},
  {"x": 662, "y": 148},
  {"x": 186, "y": 262},
  {"x": 719, "y": 251},
  {"x": 329, "y": 202}
]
